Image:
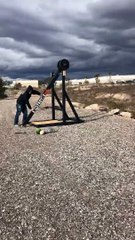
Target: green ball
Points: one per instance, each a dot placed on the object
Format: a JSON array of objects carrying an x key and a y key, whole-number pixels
[{"x": 38, "y": 130}]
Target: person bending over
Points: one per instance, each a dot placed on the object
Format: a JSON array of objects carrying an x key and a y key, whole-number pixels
[{"x": 22, "y": 104}]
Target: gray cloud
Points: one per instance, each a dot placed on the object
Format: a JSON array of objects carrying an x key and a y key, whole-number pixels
[{"x": 96, "y": 37}]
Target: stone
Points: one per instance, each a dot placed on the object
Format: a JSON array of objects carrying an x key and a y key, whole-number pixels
[
  {"x": 104, "y": 95},
  {"x": 78, "y": 105},
  {"x": 94, "y": 107},
  {"x": 122, "y": 96},
  {"x": 103, "y": 108},
  {"x": 114, "y": 111},
  {"x": 126, "y": 114}
]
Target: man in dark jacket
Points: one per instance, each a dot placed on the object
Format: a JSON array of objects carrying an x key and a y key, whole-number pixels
[{"x": 22, "y": 103}]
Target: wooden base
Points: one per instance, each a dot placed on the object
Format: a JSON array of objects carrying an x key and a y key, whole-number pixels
[
  {"x": 53, "y": 122},
  {"x": 45, "y": 122}
]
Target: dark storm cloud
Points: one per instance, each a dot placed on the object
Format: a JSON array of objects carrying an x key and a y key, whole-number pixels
[
  {"x": 97, "y": 37},
  {"x": 22, "y": 26},
  {"x": 112, "y": 28}
]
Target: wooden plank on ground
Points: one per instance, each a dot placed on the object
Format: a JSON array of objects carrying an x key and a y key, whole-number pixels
[{"x": 36, "y": 123}]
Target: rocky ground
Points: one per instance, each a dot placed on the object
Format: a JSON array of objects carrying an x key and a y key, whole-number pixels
[
  {"x": 73, "y": 184},
  {"x": 120, "y": 96}
]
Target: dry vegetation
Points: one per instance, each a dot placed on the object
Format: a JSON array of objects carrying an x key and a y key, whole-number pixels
[
  {"x": 105, "y": 95},
  {"x": 111, "y": 96}
]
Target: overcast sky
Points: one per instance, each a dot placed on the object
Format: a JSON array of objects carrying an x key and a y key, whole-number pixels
[{"x": 96, "y": 36}]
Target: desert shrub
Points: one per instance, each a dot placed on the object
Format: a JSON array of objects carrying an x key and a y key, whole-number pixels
[
  {"x": 97, "y": 78},
  {"x": 2, "y": 88},
  {"x": 70, "y": 83},
  {"x": 18, "y": 86},
  {"x": 115, "y": 104},
  {"x": 133, "y": 114},
  {"x": 86, "y": 82}
]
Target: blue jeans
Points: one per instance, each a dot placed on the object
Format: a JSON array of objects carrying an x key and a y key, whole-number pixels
[{"x": 19, "y": 110}]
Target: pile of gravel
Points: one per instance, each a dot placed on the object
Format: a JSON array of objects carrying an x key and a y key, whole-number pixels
[{"x": 73, "y": 184}]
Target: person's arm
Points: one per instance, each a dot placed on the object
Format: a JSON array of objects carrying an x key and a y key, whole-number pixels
[
  {"x": 35, "y": 92},
  {"x": 28, "y": 104}
]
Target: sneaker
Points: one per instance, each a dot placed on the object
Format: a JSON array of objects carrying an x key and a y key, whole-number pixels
[{"x": 16, "y": 126}]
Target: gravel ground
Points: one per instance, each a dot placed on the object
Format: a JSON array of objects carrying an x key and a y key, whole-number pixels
[{"x": 74, "y": 184}]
